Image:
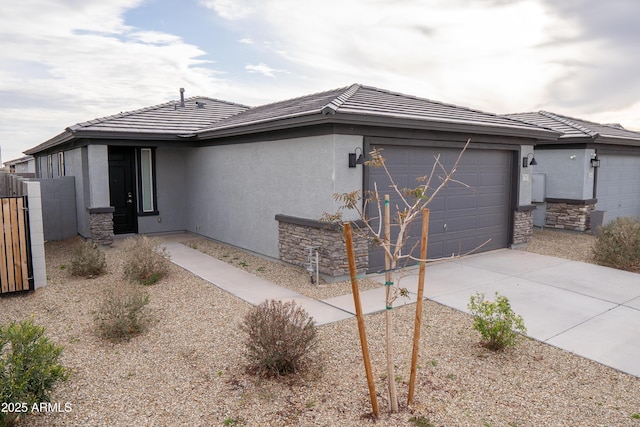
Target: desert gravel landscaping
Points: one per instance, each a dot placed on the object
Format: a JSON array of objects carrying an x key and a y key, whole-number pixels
[{"x": 187, "y": 368}]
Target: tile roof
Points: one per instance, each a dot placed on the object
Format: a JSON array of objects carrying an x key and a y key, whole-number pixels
[
  {"x": 576, "y": 128},
  {"x": 170, "y": 119},
  {"x": 364, "y": 101},
  {"x": 355, "y": 104}
]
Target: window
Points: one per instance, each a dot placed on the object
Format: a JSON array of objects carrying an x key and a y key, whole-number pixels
[
  {"x": 61, "y": 171},
  {"x": 49, "y": 166},
  {"x": 146, "y": 181}
]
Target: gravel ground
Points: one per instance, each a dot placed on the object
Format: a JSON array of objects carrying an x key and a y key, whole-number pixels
[{"x": 187, "y": 368}]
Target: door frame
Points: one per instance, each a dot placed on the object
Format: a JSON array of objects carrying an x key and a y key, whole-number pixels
[{"x": 129, "y": 187}]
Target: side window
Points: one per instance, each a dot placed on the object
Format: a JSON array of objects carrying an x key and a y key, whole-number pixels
[
  {"x": 146, "y": 181},
  {"x": 49, "y": 166},
  {"x": 61, "y": 171}
]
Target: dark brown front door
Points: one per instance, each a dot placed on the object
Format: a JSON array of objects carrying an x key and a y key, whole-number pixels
[{"x": 122, "y": 189}]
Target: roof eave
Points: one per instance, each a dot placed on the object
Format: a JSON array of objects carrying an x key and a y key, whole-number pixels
[
  {"x": 107, "y": 135},
  {"x": 61, "y": 138},
  {"x": 378, "y": 121}
]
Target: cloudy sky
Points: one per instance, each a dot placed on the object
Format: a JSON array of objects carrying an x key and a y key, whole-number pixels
[{"x": 68, "y": 61}]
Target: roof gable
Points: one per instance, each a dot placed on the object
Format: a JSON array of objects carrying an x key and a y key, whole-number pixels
[
  {"x": 168, "y": 119},
  {"x": 357, "y": 102}
]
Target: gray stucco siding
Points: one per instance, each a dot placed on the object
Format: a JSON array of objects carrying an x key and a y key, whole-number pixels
[
  {"x": 171, "y": 193},
  {"x": 75, "y": 166},
  {"x": 568, "y": 172},
  {"x": 235, "y": 191}
]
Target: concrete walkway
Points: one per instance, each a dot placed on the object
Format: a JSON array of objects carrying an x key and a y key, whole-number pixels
[{"x": 589, "y": 310}]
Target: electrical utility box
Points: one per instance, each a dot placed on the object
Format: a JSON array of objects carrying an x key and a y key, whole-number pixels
[{"x": 538, "y": 188}]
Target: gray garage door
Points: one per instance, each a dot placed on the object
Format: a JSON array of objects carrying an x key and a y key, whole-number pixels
[
  {"x": 618, "y": 187},
  {"x": 461, "y": 218}
]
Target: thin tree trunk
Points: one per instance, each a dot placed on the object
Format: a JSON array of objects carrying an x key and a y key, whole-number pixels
[
  {"x": 418, "y": 319},
  {"x": 389, "y": 264}
]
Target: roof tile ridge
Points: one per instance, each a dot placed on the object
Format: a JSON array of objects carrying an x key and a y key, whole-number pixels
[
  {"x": 569, "y": 122},
  {"x": 222, "y": 101},
  {"x": 517, "y": 117},
  {"x": 332, "y": 107},
  {"x": 295, "y": 98}
]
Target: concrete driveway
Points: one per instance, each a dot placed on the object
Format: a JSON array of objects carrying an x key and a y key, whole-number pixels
[{"x": 589, "y": 310}]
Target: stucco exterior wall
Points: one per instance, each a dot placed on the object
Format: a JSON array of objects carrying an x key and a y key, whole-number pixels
[
  {"x": 98, "y": 164},
  {"x": 569, "y": 174},
  {"x": 525, "y": 176},
  {"x": 235, "y": 191},
  {"x": 74, "y": 166},
  {"x": 171, "y": 193}
]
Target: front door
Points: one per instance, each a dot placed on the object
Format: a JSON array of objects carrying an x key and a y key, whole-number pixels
[{"x": 122, "y": 189}]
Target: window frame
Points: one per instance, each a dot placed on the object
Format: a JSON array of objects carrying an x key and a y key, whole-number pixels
[
  {"x": 49, "y": 166},
  {"x": 61, "y": 166},
  {"x": 151, "y": 181}
]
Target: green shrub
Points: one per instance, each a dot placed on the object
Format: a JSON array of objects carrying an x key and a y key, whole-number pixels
[
  {"x": 279, "y": 336},
  {"x": 120, "y": 315},
  {"x": 145, "y": 261},
  {"x": 618, "y": 244},
  {"x": 89, "y": 260},
  {"x": 29, "y": 368},
  {"x": 499, "y": 326}
]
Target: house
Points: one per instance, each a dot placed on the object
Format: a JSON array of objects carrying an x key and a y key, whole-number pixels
[
  {"x": 260, "y": 178},
  {"x": 25, "y": 166},
  {"x": 115, "y": 161},
  {"x": 590, "y": 168}
]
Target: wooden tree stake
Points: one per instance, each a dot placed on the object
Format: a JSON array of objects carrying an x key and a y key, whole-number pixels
[
  {"x": 389, "y": 265},
  {"x": 356, "y": 301},
  {"x": 418, "y": 319}
]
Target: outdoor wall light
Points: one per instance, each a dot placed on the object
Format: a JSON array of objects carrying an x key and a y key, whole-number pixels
[
  {"x": 526, "y": 162},
  {"x": 595, "y": 162},
  {"x": 354, "y": 159}
]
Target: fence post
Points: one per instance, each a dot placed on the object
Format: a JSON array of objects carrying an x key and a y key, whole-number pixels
[{"x": 36, "y": 231}]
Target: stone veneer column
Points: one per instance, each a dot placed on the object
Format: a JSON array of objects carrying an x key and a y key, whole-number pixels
[
  {"x": 569, "y": 214},
  {"x": 523, "y": 225},
  {"x": 101, "y": 225},
  {"x": 295, "y": 235}
]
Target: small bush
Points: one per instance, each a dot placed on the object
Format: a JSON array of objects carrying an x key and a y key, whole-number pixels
[
  {"x": 29, "y": 368},
  {"x": 120, "y": 315},
  {"x": 618, "y": 244},
  {"x": 499, "y": 326},
  {"x": 146, "y": 262},
  {"x": 279, "y": 336},
  {"x": 89, "y": 260}
]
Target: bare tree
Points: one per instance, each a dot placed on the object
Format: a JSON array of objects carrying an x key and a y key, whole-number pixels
[{"x": 378, "y": 228}]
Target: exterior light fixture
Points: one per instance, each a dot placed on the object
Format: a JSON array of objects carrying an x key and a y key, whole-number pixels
[
  {"x": 526, "y": 162},
  {"x": 595, "y": 162},
  {"x": 354, "y": 159}
]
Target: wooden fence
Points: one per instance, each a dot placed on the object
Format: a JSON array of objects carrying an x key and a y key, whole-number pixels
[{"x": 16, "y": 268}]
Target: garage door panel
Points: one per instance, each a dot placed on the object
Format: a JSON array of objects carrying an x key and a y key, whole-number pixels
[
  {"x": 491, "y": 199},
  {"x": 618, "y": 185},
  {"x": 496, "y": 179},
  {"x": 472, "y": 215},
  {"x": 460, "y": 201}
]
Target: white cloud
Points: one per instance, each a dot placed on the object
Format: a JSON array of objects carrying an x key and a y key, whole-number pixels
[
  {"x": 500, "y": 56},
  {"x": 263, "y": 69},
  {"x": 230, "y": 9},
  {"x": 246, "y": 40},
  {"x": 74, "y": 61}
]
